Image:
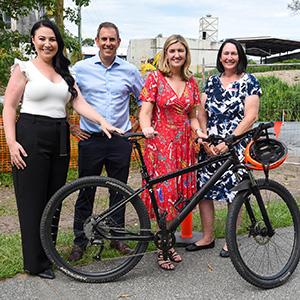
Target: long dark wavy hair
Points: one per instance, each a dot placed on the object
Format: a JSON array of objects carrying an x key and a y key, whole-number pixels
[
  {"x": 60, "y": 62},
  {"x": 242, "y": 64}
]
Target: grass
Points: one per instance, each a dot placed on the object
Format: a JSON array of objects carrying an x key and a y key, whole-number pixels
[
  {"x": 7, "y": 210},
  {"x": 10, "y": 255},
  {"x": 6, "y": 180},
  {"x": 10, "y": 244}
]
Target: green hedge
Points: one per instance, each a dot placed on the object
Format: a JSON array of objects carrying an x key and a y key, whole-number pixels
[{"x": 277, "y": 97}]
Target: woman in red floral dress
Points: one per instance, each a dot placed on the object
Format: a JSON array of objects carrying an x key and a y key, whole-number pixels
[{"x": 170, "y": 100}]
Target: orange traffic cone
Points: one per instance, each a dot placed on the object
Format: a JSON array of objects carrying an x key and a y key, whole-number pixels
[
  {"x": 187, "y": 227},
  {"x": 277, "y": 127},
  {"x": 187, "y": 235}
]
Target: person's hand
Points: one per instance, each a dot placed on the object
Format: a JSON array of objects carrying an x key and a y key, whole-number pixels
[
  {"x": 16, "y": 152},
  {"x": 108, "y": 129},
  {"x": 221, "y": 148},
  {"x": 200, "y": 135},
  {"x": 209, "y": 149},
  {"x": 149, "y": 132},
  {"x": 78, "y": 133}
]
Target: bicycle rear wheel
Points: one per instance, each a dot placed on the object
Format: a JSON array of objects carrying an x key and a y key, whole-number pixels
[
  {"x": 264, "y": 261},
  {"x": 100, "y": 262}
]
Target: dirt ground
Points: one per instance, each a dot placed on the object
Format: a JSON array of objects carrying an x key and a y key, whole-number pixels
[
  {"x": 288, "y": 174},
  {"x": 291, "y": 77}
]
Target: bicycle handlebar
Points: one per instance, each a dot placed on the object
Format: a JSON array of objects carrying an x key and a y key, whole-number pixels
[
  {"x": 231, "y": 139},
  {"x": 215, "y": 139}
]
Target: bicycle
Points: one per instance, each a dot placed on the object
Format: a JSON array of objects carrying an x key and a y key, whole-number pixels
[{"x": 264, "y": 246}]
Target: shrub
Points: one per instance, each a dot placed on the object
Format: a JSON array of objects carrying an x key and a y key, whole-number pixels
[{"x": 279, "y": 98}]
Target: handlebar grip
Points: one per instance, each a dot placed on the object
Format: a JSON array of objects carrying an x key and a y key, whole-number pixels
[
  {"x": 267, "y": 125},
  {"x": 128, "y": 135}
]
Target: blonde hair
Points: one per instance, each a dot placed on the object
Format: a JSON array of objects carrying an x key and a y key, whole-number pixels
[{"x": 163, "y": 64}]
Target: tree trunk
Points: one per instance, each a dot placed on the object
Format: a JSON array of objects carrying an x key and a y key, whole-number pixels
[{"x": 59, "y": 14}]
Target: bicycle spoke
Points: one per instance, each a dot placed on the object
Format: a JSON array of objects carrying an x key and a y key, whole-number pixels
[
  {"x": 105, "y": 257},
  {"x": 265, "y": 260}
]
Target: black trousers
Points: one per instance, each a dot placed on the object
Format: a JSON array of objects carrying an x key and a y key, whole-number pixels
[
  {"x": 93, "y": 154},
  {"x": 46, "y": 142}
]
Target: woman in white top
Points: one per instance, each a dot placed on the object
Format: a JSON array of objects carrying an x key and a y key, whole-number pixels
[{"x": 39, "y": 143}]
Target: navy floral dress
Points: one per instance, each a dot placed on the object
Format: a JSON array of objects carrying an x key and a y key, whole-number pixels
[{"x": 225, "y": 110}]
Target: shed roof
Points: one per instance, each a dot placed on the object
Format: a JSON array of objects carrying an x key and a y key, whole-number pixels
[{"x": 266, "y": 45}]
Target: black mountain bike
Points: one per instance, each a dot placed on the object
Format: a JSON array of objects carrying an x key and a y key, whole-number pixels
[{"x": 264, "y": 245}]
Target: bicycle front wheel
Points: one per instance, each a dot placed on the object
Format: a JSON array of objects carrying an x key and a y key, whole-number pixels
[
  {"x": 101, "y": 261},
  {"x": 264, "y": 261}
]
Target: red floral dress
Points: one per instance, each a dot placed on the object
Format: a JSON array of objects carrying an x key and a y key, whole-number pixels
[{"x": 172, "y": 149}]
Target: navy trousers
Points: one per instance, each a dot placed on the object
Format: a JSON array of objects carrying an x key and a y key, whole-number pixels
[{"x": 93, "y": 154}]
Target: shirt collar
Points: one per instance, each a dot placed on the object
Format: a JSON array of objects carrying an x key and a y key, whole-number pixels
[{"x": 98, "y": 61}]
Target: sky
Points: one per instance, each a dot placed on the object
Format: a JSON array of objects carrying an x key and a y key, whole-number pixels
[{"x": 138, "y": 19}]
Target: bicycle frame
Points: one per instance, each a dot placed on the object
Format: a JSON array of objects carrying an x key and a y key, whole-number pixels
[{"x": 229, "y": 159}]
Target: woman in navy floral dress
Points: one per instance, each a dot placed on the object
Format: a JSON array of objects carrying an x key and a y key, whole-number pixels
[{"x": 230, "y": 106}]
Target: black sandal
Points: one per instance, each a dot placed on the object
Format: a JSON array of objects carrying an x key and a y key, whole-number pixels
[
  {"x": 174, "y": 256},
  {"x": 164, "y": 264}
]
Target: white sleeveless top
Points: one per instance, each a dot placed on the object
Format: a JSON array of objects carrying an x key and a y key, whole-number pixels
[{"x": 41, "y": 95}]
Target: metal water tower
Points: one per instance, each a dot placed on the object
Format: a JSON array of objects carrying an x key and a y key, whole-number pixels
[{"x": 208, "y": 28}]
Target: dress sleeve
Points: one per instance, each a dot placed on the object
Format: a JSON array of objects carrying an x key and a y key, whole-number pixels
[
  {"x": 253, "y": 86},
  {"x": 196, "y": 92},
  {"x": 149, "y": 90},
  {"x": 22, "y": 65}
]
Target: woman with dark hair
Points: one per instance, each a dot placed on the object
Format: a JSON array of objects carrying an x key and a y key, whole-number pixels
[
  {"x": 230, "y": 106},
  {"x": 170, "y": 101},
  {"x": 39, "y": 142}
]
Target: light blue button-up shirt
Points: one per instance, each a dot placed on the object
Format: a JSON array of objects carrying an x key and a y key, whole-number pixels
[{"x": 108, "y": 90}]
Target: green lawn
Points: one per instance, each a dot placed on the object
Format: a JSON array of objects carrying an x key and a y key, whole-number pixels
[{"x": 10, "y": 244}]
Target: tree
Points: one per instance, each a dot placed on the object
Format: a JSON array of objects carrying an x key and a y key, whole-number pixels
[
  {"x": 88, "y": 42},
  {"x": 294, "y": 6},
  {"x": 10, "y": 40}
]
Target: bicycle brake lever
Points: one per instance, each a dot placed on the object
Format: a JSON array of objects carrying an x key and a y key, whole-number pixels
[{"x": 230, "y": 139}]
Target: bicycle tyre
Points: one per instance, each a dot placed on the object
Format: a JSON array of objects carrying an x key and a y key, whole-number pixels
[
  {"x": 283, "y": 248},
  {"x": 88, "y": 269}
]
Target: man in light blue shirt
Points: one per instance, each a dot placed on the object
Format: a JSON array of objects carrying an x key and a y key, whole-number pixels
[
  {"x": 108, "y": 89},
  {"x": 106, "y": 83}
]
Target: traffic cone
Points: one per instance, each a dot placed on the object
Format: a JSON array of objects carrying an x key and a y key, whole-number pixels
[
  {"x": 187, "y": 235},
  {"x": 277, "y": 127}
]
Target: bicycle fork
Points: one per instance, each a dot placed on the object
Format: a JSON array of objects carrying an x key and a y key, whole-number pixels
[{"x": 268, "y": 230}]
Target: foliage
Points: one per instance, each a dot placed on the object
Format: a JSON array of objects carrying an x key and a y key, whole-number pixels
[
  {"x": 294, "y": 6},
  {"x": 17, "y": 8},
  {"x": 133, "y": 106},
  {"x": 10, "y": 41},
  {"x": 10, "y": 255},
  {"x": 278, "y": 98},
  {"x": 88, "y": 42},
  {"x": 277, "y": 67},
  {"x": 6, "y": 180},
  {"x": 291, "y": 61},
  {"x": 72, "y": 14},
  {"x": 9, "y": 50}
]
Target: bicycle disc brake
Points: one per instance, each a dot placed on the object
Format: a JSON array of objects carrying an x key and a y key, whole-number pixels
[{"x": 260, "y": 233}]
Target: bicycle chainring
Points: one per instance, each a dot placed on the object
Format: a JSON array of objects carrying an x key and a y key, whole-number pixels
[{"x": 164, "y": 240}]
